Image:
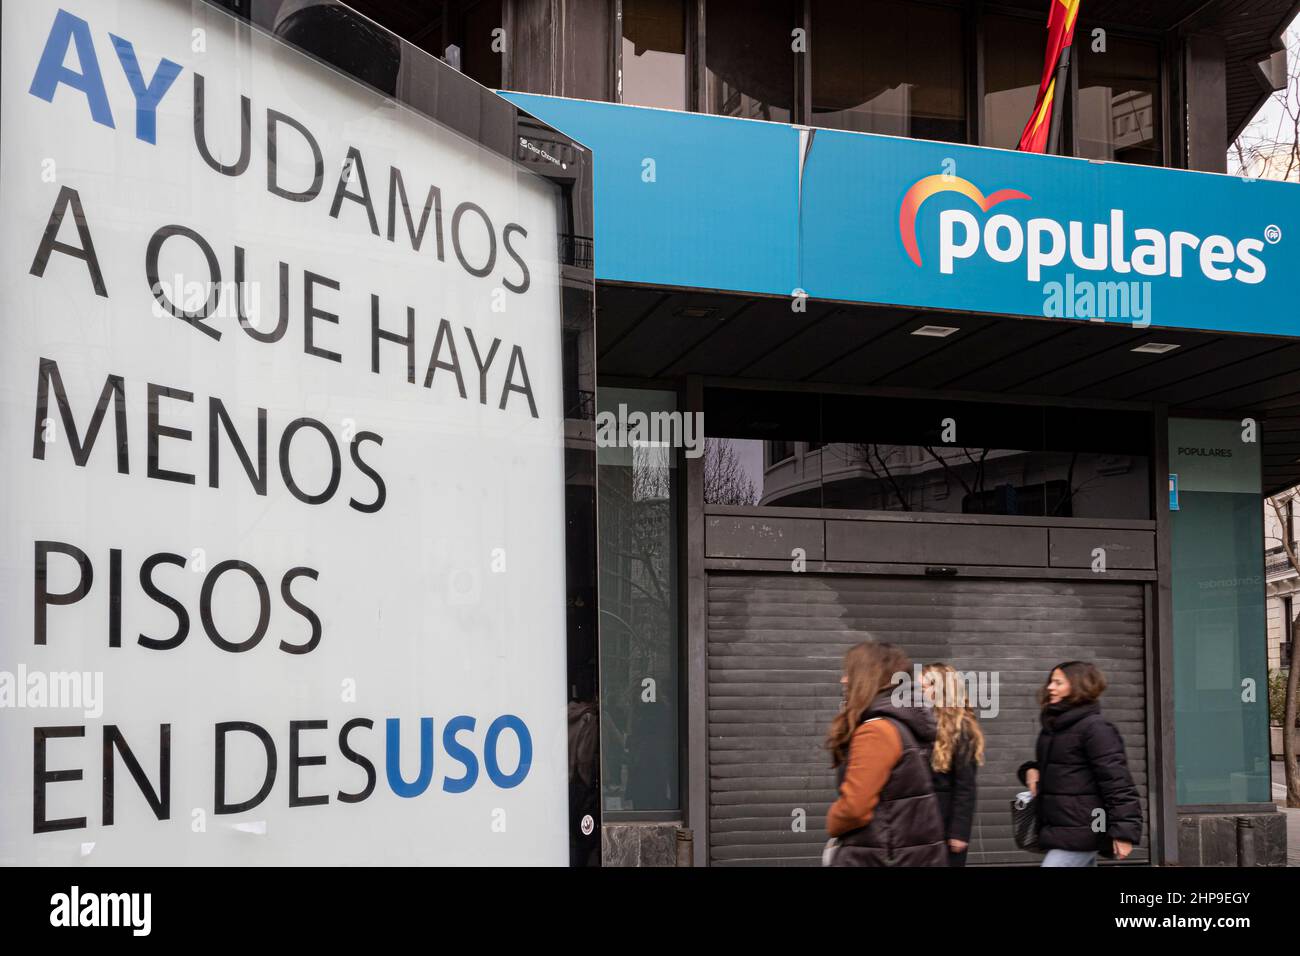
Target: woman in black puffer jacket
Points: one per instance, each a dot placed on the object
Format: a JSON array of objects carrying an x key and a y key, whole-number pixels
[{"x": 1087, "y": 801}]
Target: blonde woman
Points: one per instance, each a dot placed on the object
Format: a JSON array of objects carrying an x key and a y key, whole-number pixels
[
  {"x": 956, "y": 756},
  {"x": 887, "y": 813}
]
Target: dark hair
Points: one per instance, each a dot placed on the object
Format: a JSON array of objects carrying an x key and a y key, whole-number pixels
[
  {"x": 870, "y": 668},
  {"x": 1086, "y": 682}
]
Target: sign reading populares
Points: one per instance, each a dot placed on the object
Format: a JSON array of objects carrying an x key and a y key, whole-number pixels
[
  {"x": 714, "y": 202},
  {"x": 989, "y": 230},
  {"x": 281, "y": 446}
]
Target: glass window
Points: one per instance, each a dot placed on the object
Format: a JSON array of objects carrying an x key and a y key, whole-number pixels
[
  {"x": 636, "y": 504},
  {"x": 879, "y": 454},
  {"x": 459, "y": 32},
  {"x": 654, "y": 53},
  {"x": 758, "y": 449},
  {"x": 1220, "y": 733},
  {"x": 779, "y": 451},
  {"x": 1014, "y": 48},
  {"x": 889, "y": 67},
  {"x": 750, "y": 59},
  {"x": 1119, "y": 101},
  {"x": 473, "y": 30},
  {"x": 973, "y": 458}
]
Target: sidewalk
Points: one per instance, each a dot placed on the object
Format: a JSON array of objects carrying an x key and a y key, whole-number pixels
[
  {"x": 1292, "y": 816},
  {"x": 1292, "y": 837}
]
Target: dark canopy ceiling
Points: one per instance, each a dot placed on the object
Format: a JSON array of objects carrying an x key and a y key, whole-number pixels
[{"x": 644, "y": 333}]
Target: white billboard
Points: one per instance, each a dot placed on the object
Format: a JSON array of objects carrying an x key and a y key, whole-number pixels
[{"x": 282, "y": 564}]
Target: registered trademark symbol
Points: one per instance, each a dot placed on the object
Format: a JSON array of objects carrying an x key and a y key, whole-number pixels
[
  {"x": 588, "y": 824},
  {"x": 1273, "y": 235}
]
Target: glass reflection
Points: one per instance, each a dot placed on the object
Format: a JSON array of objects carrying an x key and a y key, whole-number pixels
[
  {"x": 1119, "y": 102},
  {"x": 638, "y": 612},
  {"x": 889, "y": 67},
  {"x": 654, "y": 53},
  {"x": 875, "y": 454},
  {"x": 1013, "y": 67},
  {"x": 750, "y": 59}
]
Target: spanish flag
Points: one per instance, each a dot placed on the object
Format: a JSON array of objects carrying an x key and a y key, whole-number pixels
[{"x": 1060, "y": 34}]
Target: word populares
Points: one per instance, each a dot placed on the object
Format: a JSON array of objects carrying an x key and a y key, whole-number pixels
[{"x": 1043, "y": 242}]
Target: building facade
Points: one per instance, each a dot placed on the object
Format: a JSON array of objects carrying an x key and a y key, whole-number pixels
[
  {"x": 1283, "y": 586},
  {"x": 891, "y": 458}
]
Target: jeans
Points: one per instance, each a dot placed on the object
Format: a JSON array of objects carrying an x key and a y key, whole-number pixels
[{"x": 1070, "y": 858}]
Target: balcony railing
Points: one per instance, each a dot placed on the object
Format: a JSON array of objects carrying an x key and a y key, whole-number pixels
[
  {"x": 1276, "y": 561},
  {"x": 577, "y": 250},
  {"x": 579, "y": 404}
]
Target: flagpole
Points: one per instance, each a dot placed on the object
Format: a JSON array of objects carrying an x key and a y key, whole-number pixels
[{"x": 1060, "y": 97}]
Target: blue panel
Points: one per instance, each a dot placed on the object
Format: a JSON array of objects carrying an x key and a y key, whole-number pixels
[
  {"x": 730, "y": 211},
  {"x": 853, "y": 247},
  {"x": 721, "y": 211}
]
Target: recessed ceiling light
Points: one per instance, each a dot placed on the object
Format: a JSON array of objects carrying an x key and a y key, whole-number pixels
[
  {"x": 1156, "y": 348},
  {"x": 696, "y": 312},
  {"x": 936, "y": 331}
]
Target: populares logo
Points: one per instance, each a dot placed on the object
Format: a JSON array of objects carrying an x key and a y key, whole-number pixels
[{"x": 1098, "y": 247}]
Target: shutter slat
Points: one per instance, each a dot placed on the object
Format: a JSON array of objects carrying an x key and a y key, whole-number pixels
[{"x": 775, "y": 645}]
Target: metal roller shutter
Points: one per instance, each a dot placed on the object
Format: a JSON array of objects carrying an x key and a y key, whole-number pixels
[{"x": 776, "y": 643}]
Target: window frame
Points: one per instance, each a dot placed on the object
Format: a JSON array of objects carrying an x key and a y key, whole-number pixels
[
  {"x": 968, "y": 21},
  {"x": 1288, "y": 631},
  {"x": 697, "y": 60},
  {"x": 691, "y": 10},
  {"x": 974, "y": 32},
  {"x": 1162, "y": 131},
  {"x": 678, "y": 511}
]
